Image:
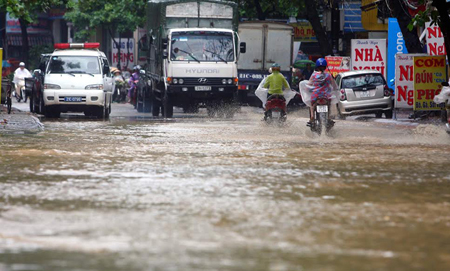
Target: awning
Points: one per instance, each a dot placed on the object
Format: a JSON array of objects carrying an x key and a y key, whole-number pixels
[{"x": 33, "y": 39}]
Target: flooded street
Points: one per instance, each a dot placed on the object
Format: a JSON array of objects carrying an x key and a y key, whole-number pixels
[{"x": 195, "y": 193}]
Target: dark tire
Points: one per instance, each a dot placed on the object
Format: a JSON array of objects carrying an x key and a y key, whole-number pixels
[
  {"x": 99, "y": 112},
  {"x": 32, "y": 104},
  {"x": 167, "y": 107},
  {"x": 211, "y": 111},
  {"x": 41, "y": 105},
  {"x": 388, "y": 114},
  {"x": 378, "y": 115},
  {"x": 156, "y": 106},
  {"x": 147, "y": 102},
  {"x": 340, "y": 115},
  {"x": 9, "y": 104},
  {"x": 52, "y": 113}
]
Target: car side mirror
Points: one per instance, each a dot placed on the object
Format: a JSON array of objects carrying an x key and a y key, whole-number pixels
[
  {"x": 445, "y": 84},
  {"x": 243, "y": 47}
]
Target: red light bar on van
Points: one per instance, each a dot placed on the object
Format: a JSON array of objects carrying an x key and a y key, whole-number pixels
[{"x": 90, "y": 45}]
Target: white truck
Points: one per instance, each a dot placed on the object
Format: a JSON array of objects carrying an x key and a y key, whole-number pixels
[
  {"x": 192, "y": 50},
  {"x": 268, "y": 43},
  {"x": 76, "y": 79}
]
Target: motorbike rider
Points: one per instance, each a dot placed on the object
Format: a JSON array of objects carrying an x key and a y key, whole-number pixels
[
  {"x": 119, "y": 86},
  {"x": 323, "y": 85},
  {"x": 276, "y": 81},
  {"x": 19, "y": 79}
]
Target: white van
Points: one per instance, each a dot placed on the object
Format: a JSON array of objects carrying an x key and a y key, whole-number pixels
[{"x": 77, "y": 79}]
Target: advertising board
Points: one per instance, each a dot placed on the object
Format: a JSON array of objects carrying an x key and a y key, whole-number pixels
[{"x": 369, "y": 54}]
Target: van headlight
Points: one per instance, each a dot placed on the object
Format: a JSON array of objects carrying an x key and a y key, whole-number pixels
[
  {"x": 97, "y": 86},
  {"x": 51, "y": 86}
]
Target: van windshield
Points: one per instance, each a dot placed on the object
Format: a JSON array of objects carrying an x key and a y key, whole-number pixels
[
  {"x": 202, "y": 46},
  {"x": 74, "y": 64}
]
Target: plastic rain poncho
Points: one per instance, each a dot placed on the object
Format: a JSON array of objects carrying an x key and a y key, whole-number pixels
[
  {"x": 307, "y": 87},
  {"x": 443, "y": 96},
  {"x": 262, "y": 93}
]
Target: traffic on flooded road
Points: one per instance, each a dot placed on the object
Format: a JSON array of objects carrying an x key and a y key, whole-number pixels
[{"x": 199, "y": 193}]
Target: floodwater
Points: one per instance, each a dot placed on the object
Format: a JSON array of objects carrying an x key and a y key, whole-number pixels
[{"x": 216, "y": 194}]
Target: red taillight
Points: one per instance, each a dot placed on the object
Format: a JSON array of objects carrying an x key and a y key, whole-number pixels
[
  {"x": 242, "y": 87},
  {"x": 387, "y": 91},
  {"x": 89, "y": 45},
  {"x": 343, "y": 95}
]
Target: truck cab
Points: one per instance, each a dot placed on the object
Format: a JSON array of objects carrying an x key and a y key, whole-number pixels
[{"x": 77, "y": 79}]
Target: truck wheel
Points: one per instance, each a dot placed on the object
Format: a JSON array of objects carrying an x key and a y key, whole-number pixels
[
  {"x": 211, "y": 111},
  {"x": 139, "y": 102},
  {"x": 167, "y": 107},
  {"x": 147, "y": 103}
]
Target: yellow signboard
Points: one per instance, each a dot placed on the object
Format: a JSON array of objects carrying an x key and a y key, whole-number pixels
[
  {"x": 304, "y": 32},
  {"x": 429, "y": 72}
]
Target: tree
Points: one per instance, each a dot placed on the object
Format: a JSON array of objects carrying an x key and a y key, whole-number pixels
[
  {"x": 26, "y": 11},
  {"x": 117, "y": 16},
  {"x": 437, "y": 12}
]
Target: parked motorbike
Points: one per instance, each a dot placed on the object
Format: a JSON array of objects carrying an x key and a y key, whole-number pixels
[
  {"x": 275, "y": 106},
  {"x": 444, "y": 98}
]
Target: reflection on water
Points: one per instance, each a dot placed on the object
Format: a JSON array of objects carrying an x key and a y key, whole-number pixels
[{"x": 201, "y": 194}]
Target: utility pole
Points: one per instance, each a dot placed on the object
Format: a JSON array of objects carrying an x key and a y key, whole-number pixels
[{"x": 335, "y": 26}]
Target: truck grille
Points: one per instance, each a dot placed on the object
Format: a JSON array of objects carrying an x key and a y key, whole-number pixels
[{"x": 196, "y": 82}]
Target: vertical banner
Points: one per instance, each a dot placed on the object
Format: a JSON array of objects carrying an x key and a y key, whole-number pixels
[
  {"x": 396, "y": 45},
  {"x": 404, "y": 80},
  {"x": 1, "y": 69},
  {"x": 126, "y": 53},
  {"x": 435, "y": 40},
  {"x": 338, "y": 64},
  {"x": 369, "y": 54},
  {"x": 429, "y": 73}
]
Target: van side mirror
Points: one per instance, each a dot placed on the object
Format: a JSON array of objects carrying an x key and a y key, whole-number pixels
[
  {"x": 445, "y": 84},
  {"x": 165, "y": 54},
  {"x": 106, "y": 70},
  {"x": 243, "y": 47}
]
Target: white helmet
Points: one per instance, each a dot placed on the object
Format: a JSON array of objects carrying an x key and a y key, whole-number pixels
[{"x": 21, "y": 64}]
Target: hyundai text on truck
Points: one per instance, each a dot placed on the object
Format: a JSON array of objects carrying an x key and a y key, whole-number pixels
[
  {"x": 192, "y": 49},
  {"x": 270, "y": 43},
  {"x": 76, "y": 79}
]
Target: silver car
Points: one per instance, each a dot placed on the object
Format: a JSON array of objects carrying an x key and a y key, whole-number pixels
[{"x": 363, "y": 92}]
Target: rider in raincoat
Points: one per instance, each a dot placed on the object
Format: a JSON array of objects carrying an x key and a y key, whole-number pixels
[{"x": 276, "y": 81}]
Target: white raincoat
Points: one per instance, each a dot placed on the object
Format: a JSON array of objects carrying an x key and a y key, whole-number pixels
[{"x": 262, "y": 92}]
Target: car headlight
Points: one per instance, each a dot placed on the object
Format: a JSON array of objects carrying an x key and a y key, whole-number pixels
[
  {"x": 51, "y": 86},
  {"x": 96, "y": 86}
]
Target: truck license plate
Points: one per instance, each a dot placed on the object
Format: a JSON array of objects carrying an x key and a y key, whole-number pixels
[
  {"x": 72, "y": 99},
  {"x": 322, "y": 108},
  {"x": 203, "y": 88}
]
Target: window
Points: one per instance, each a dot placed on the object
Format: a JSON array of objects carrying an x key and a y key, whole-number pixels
[{"x": 74, "y": 64}]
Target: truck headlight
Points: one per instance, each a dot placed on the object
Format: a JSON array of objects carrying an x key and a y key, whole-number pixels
[
  {"x": 224, "y": 81},
  {"x": 175, "y": 81},
  {"x": 181, "y": 81},
  {"x": 96, "y": 86},
  {"x": 230, "y": 81},
  {"x": 51, "y": 86}
]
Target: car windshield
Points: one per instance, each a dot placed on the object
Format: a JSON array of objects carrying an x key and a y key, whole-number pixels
[
  {"x": 74, "y": 64},
  {"x": 202, "y": 46},
  {"x": 363, "y": 80}
]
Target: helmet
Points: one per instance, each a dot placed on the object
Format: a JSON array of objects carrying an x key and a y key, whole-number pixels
[
  {"x": 321, "y": 62},
  {"x": 21, "y": 64},
  {"x": 275, "y": 65}
]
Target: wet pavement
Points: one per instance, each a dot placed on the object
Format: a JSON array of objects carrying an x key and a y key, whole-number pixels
[{"x": 193, "y": 193}]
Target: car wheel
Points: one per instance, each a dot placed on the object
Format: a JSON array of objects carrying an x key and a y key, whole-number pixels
[
  {"x": 32, "y": 104},
  {"x": 167, "y": 107},
  {"x": 378, "y": 115},
  {"x": 388, "y": 114},
  {"x": 340, "y": 115}
]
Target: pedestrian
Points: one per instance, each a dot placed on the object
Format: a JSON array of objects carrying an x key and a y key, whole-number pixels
[
  {"x": 134, "y": 79},
  {"x": 307, "y": 72}
]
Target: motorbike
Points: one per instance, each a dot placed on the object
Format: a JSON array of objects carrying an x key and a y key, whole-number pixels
[
  {"x": 321, "y": 109},
  {"x": 275, "y": 106},
  {"x": 321, "y": 122},
  {"x": 22, "y": 95},
  {"x": 444, "y": 98}
]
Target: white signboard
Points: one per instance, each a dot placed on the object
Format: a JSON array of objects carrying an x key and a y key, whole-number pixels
[
  {"x": 369, "y": 54},
  {"x": 127, "y": 56},
  {"x": 435, "y": 41},
  {"x": 404, "y": 80}
]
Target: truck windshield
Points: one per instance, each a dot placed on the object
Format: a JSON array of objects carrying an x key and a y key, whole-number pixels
[
  {"x": 202, "y": 46},
  {"x": 74, "y": 64}
]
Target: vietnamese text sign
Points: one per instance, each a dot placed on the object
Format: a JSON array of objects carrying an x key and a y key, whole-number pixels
[
  {"x": 369, "y": 54},
  {"x": 435, "y": 40},
  {"x": 429, "y": 72},
  {"x": 1, "y": 68},
  {"x": 304, "y": 32},
  {"x": 126, "y": 53},
  {"x": 337, "y": 64},
  {"x": 404, "y": 82}
]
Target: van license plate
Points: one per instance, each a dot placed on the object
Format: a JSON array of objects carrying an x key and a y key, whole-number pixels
[
  {"x": 203, "y": 88},
  {"x": 72, "y": 99},
  {"x": 322, "y": 108}
]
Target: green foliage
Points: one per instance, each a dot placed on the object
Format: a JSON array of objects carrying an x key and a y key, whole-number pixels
[
  {"x": 35, "y": 55},
  {"x": 269, "y": 8},
  {"x": 28, "y": 10},
  {"x": 118, "y": 15},
  {"x": 430, "y": 14}
]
